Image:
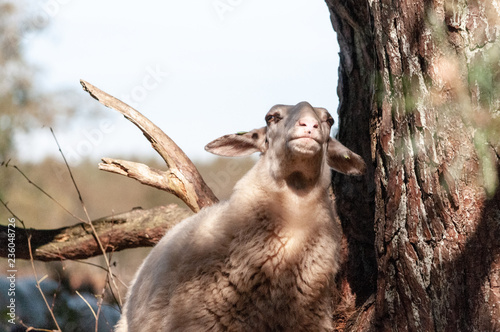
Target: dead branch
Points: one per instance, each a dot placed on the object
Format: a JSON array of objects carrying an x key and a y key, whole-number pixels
[
  {"x": 182, "y": 178},
  {"x": 136, "y": 228},
  {"x": 164, "y": 180}
]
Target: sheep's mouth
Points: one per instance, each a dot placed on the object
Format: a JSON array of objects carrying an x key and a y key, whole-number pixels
[
  {"x": 305, "y": 145},
  {"x": 305, "y": 138}
]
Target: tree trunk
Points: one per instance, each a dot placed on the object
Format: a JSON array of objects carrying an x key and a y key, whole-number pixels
[{"x": 417, "y": 84}]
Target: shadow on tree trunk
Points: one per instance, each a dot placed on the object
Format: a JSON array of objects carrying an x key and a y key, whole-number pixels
[{"x": 478, "y": 291}]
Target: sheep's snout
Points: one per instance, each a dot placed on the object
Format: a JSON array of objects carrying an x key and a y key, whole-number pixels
[
  {"x": 308, "y": 124},
  {"x": 306, "y": 136}
]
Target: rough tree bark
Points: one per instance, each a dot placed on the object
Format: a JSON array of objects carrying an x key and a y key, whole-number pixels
[{"x": 425, "y": 255}]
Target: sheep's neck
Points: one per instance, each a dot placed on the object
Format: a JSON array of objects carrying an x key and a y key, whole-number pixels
[
  {"x": 300, "y": 175},
  {"x": 299, "y": 182}
]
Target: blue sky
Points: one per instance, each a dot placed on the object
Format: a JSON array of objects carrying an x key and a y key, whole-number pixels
[{"x": 199, "y": 69}]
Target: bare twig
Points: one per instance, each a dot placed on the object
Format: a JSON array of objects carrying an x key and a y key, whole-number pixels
[
  {"x": 30, "y": 328},
  {"x": 71, "y": 175},
  {"x": 38, "y": 285},
  {"x": 182, "y": 179},
  {"x": 12, "y": 213},
  {"x": 88, "y": 304},
  {"x": 89, "y": 221},
  {"x": 99, "y": 304},
  {"x": 46, "y": 194}
]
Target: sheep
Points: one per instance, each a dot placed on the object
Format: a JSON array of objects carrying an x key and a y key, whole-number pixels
[{"x": 265, "y": 259}]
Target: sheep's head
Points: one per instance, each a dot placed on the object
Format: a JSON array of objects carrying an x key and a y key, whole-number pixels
[
  {"x": 299, "y": 131},
  {"x": 296, "y": 140}
]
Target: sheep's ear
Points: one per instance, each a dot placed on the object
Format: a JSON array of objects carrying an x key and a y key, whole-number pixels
[
  {"x": 344, "y": 160},
  {"x": 239, "y": 144}
]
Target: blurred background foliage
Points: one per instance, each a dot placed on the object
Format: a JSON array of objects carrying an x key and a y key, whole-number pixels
[{"x": 24, "y": 105}]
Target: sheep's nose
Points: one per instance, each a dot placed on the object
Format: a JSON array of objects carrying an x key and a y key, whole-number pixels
[{"x": 309, "y": 123}]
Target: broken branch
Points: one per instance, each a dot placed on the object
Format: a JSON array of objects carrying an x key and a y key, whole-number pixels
[
  {"x": 164, "y": 180},
  {"x": 133, "y": 229},
  {"x": 182, "y": 179}
]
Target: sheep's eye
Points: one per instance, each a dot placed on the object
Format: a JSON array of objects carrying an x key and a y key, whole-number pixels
[
  {"x": 330, "y": 121},
  {"x": 273, "y": 118}
]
